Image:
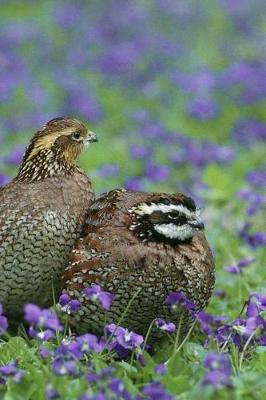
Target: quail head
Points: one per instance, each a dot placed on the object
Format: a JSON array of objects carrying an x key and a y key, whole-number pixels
[
  {"x": 41, "y": 214},
  {"x": 142, "y": 246}
]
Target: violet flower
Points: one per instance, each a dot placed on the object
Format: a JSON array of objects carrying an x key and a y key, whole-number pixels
[
  {"x": 44, "y": 323},
  {"x": 15, "y": 156},
  {"x": 258, "y": 178},
  {"x": 89, "y": 343},
  {"x": 109, "y": 170},
  {"x": 156, "y": 172},
  {"x": 161, "y": 369},
  {"x": 156, "y": 391},
  {"x": 203, "y": 108},
  {"x": 68, "y": 305},
  {"x": 220, "y": 370},
  {"x": 237, "y": 269},
  {"x": 209, "y": 323},
  {"x": 134, "y": 183},
  {"x": 51, "y": 393},
  {"x": 118, "y": 388},
  {"x": 122, "y": 340},
  {"x": 179, "y": 298},
  {"x": 250, "y": 132},
  {"x": 95, "y": 293},
  {"x": 65, "y": 365},
  {"x": 13, "y": 371},
  {"x": 165, "y": 326},
  {"x": 254, "y": 240}
]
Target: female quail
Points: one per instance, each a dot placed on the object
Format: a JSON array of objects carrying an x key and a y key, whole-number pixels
[
  {"x": 41, "y": 215},
  {"x": 139, "y": 242}
]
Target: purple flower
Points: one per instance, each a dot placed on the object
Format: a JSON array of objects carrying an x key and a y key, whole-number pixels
[
  {"x": 157, "y": 173},
  {"x": 4, "y": 179},
  {"x": 95, "y": 293},
  {"x": 202, "y": 82},
  {"x": 121, "y": 340},
  {"x": 65, "y": 366},
  {"x": 109, "y": 170},
  {"x": 43, "y": 335},
  {"x": 179, "y": 298},
  {"x": 217, "y": 379},
  {"x": 12, "y": 370},
  {"x": 203, "y": 108},
  {"x": 237, "y": 269},
  {"x": 201, "y": 154},
  {"x": 209, "y": 323},
  {"x": 161, "y": 369},
  {"x": 152, "y": 130},
  {"x": 165, "y": 326},
  {"x": 68, "y": 305},
  {"x": 118, "y": 388},
  {"x": 83, "y": 104},
  {"x": 32, "y": 314},
  {"x": 254, "y": 240},
  {"x": 89, "y": 342},
  {"x": 240, "y": 330},
  {"x": 138, "y": 151},
  {"x": 97, "y": 396},
  {"x": 128, "y": 340},
  {"x": 3, "y": 322},
  {"x": 51, "y": 393},
  {"x": 219, "y": 293},
  {"x": 258, "y": 178},
  {"x": 256, "y": 200},
  {"x": 44, "y": 352},
  {"x": 44, "y": 323},
  {"x": 259, "y": 300},
  {"x": 156, "y": 391},
  {"x": 121, "y": 58},
  {"x": 250, "y": 131},
  {"x": 134, "y": 183},
  {"x": 15, "y": 157},
  {"x": 68, "y": 15},
  {"x": 220, "y": 370}
]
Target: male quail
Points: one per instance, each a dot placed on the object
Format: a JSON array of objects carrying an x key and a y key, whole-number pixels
[
  {"x": 134, "y": 241},
  {"x": 41, "y": 215}
]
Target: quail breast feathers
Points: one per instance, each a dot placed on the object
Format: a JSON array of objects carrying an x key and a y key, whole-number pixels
[
  {"x": 143, "y": 245},
  {"x": 41, "y": 214}
]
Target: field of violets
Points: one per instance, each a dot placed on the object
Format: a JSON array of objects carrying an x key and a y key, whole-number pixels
[{"x": 176, "y": 92}]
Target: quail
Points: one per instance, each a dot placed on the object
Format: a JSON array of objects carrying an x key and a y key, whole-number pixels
[
  {"x": 41, "y": 215},
  {"x": 139, "y": 246}
]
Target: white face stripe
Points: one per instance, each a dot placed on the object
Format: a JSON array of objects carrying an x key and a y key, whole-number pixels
[
  {"x": 171, "y": 231},
  {"x": 144, "y": 208}
]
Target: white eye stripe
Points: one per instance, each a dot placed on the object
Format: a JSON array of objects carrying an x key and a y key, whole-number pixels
[{"x": 144, "y": 208}]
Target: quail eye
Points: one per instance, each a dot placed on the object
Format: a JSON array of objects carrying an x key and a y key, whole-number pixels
[
  {"x": 173, "y": 215},
  {"x": 76, "y": 135}
]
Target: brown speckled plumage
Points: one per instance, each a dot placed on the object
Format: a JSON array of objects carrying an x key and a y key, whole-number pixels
[
  {"x": 115, "y": 253},
  {"x": 41, "y": 214}
]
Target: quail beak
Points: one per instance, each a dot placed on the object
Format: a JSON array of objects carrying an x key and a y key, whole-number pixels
[
  {"x": 91, "y": 138},
  {"x": 196, "y": 223}
]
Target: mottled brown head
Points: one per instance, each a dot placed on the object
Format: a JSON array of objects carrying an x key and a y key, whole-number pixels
[{"x": 54, "y": 148}]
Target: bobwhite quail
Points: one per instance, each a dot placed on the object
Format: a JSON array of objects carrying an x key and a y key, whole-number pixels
[
  {"x": 139, "y": 242},
  {"x": 41, "y": 215}
]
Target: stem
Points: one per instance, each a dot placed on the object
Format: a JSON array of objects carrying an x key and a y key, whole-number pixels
[
  {"x": 226, "y": 342},
  {"x": 231, "y": 333},
  {"x": 182, "y": 343},
  {"x": 124, "y": 313},
  {"x": 148, "y": 333},
  {"x": 245, "y": 348},
  {"x": 178, "y": 330}
]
